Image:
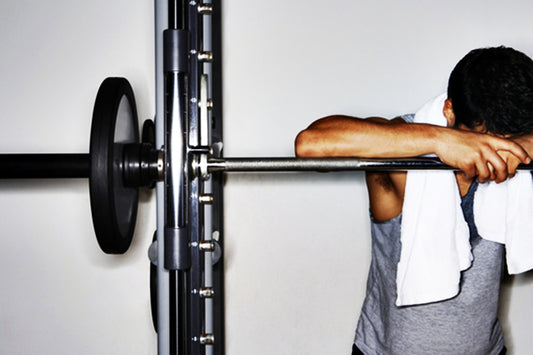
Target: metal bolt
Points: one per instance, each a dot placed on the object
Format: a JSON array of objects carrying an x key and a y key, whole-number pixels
[
  {"x": 207, "y": 292},
  {"x": 205, "y": 9},
  {"x": 206, "y": 245},
  {"x": 208, "y": 103},
  {"x": 161, "y": 165},
  {"x": 206, "y": 199},
  {"x": 205, "y": 56},
  {"x": 207, "y": 339}
]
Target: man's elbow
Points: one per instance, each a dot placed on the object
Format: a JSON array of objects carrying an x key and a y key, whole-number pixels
[{"x": 305, "y": 144}]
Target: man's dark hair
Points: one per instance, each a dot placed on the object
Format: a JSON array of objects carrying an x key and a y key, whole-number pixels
[{"x": 494, "y": 87}]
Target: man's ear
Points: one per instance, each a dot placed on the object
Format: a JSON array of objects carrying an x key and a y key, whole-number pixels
[{"x": 447, "y": 110}]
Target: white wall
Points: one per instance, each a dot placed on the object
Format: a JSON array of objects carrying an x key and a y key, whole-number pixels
[
  {"x": 59, "y": 294},
  {"x": 297, "y": 244}
]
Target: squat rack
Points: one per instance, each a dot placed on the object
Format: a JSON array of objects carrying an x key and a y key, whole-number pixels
[{"x": 181, "y": 154}]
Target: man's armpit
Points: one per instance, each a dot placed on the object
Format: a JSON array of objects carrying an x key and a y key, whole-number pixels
[
  {"x": 385, "y": 192},
  {"x": 382, "y": 180}
]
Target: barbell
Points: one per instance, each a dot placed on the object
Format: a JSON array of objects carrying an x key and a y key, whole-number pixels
[{"x": 118, "y": 164}]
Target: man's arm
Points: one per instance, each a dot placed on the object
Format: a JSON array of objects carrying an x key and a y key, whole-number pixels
[
  {"x": 526, "y": 142},
  {"x": 476, "y": 154}
]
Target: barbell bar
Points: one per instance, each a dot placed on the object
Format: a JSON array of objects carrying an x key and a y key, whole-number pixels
[
  {"x": 281, "y": 164},
  {"x": 118, "y": 164},
  {"x": 20, "y": 166},
  {"x": 44, "y": 166},
  {"x": 203, "y": 167}
]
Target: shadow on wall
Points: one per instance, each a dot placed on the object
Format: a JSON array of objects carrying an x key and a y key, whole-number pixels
[
  {"x": 78, "y": 192},
  {"x": 510, "y": 284},
  {"x": 298, "y": 178}
]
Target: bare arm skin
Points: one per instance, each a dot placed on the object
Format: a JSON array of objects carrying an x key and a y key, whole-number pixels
[
  {"x": 476, "y": 154},
  {"x": 511, "y": 160},
  {"x": 336, "y": 136}
]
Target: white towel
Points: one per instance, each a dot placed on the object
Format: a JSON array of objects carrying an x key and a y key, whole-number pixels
[
  {"x": 504, "y": 213},
  {"x": 435, "y": 236}
]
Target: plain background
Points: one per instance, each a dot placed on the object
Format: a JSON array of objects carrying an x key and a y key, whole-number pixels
[{"x": 297, "y": 245}]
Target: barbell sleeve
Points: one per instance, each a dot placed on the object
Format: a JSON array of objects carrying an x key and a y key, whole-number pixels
[{"x": 42, "y": 166}]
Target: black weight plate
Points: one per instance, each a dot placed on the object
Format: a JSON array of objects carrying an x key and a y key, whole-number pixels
[
  {"x": 148, "y": 132},
  {"x": 114, "y": 206}
]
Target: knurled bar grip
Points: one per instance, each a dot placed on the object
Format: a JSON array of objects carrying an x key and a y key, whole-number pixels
[
  {"x": 39, "y": 166},
  {"x": 327, "y": 164}
]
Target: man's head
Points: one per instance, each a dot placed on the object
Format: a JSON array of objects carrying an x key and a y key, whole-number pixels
[{"x": 493, "y": 88}]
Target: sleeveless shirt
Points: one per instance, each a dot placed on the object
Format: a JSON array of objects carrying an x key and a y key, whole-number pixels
[{"x": 465, "y": 324}]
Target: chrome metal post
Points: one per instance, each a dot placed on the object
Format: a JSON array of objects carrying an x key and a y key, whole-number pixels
[
  {"x": 195, "y": 220},
  {"x": 162, "y": 277},
  {"x": 177, "y": 245},
  {"x": 184, "y": 254}
]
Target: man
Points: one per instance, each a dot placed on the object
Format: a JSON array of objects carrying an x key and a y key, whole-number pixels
[{"x": 489, "y": 114}]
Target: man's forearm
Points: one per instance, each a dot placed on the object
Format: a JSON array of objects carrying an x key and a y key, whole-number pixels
[
  {"x": 526, "y": 142},
  {"x": 476, "y": 154},
  {"x": 336, "y": 136}
]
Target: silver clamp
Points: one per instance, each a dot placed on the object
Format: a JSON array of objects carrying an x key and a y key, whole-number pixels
[
  {"x": 199, "y": 162},
  {"x": 198, "y": 166}
]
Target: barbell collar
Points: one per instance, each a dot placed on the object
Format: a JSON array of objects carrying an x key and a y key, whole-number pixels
[{"x": 142, "y": 165}]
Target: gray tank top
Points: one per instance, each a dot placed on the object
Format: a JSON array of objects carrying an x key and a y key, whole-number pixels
[{"x": 465, "y": 324}]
